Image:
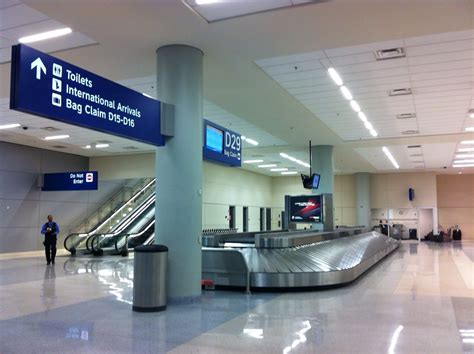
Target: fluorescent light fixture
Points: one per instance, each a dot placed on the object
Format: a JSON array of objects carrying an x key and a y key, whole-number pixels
[
  {"x": 373, "y": 133},
  {"x": 251, "y": 141},
  {"x": 101, "y": 146},
  {"x": 10, "y": 126},
  {"x": 206, "y": 2},
  {"x": 467, "y": 142},
  {"x": 346, "y": 93},
  {"x": 282, "y": 154},
  {"x": 253, "y": 161},
  {"x": 267, "y": 166},
  {"x": 45, "y": 35},
  {"x": 243, "y": 137},
  {"x": 368, "y": 125},
  {"x": 465, "y": 149},
  {"x": 390, "y": 157},
  {"x": 278, "y": 169},
  {"x": 457, "y": 162},
  {"x": 287, "y": 173},
  {"x": 355, "y": 106},
  {"x": 362, "y": 116},
  {"x": 463, "y": 156},
  {"x": 147, "y": 95},
  {"x": 335, "y": 76},
  {"x": 470, "y": 129},
  {"x": 56, "y": 137},
  {"x": 471, "y": 115},
  {"x": 87, "y": 147}
]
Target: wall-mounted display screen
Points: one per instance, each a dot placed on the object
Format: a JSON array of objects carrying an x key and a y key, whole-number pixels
[
  {"x": 214, "y": 139},
  {"x": 306, "y": 208}
]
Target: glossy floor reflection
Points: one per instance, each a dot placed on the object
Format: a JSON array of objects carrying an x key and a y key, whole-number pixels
[{"x": 419, "y": 300}]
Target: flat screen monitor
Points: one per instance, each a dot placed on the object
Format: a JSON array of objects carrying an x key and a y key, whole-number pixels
[
  {"x": 214, "y": 139},
  {"x": 311, "y": 182},
  {"x": 306, "y": 208}
]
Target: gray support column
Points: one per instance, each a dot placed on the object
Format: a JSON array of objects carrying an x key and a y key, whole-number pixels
[
  {"x": 322, "y": 162},
  {"x": 363, "y": 211},
  {"x": 179, "y": 170}
]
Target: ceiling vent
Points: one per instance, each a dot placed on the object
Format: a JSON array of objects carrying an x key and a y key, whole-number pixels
[
  {"x": 416, "y": 155},
  {"x": 392, "y": 53},
  {"x": 410, "y": 132},
  {"x": 50, "y": 129},
  {"x": 406, "y": 115},
  {"x": 130, "y": 148},
  {"x": 414, "y": 146},
  {"x": 59, "y": 147},
  {"x": 400, "y": 92}
]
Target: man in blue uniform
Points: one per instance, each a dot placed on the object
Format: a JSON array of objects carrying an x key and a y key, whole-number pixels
[{"x": 50, "y": 230}]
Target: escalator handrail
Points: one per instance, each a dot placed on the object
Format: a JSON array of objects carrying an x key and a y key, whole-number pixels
[{"x": 145, "y": 229}]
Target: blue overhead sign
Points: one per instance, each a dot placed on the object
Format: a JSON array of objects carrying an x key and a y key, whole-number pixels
[
  {"x": 70, "y": 181},
  {"x": 221, "y": 145},
  {"x": 46, "y": 86}
]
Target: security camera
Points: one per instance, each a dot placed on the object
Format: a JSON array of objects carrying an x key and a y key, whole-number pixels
[{"x": 24, "y": 128}]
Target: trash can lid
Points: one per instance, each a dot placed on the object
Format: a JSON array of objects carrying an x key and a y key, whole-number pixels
[{"x": 151, "y": 249}]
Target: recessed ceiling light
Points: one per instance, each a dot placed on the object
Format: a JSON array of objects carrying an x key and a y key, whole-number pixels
[
  {"x": 355, "y": 106},
  {"x": 10, "y": 126},
  {"x": 463, "y": 165},
  {"x": 250, "y": 141},
  {"x": 467, "y": 142},
  {"x": 390, "y": 157},
  {"x": 206, "y": 2},
  {"x": 346, "y": 93},
  {"x": 471, "y": 115},
  {"x": 101, "y": 146},
  {"x": 462, "y": 156},
  {"x": 57, "y": 137},
  {"x": 466, "y": 150},
  {"x": 289, "y": 173},
  {"x": 373, "y": 133},
  {"x": 335, "y": 76},
  {"x": 253, "y": 161},
  {"x": 470, "y": 129},
  {"x": 87, "y": 147},
  {"x": 45, "y": 35},
  {"x": 279, "y": 169},
  {"x": 362, "y": 116},
  {"x": 267, "y": 166},
  {"x": 457, "y": 162}
]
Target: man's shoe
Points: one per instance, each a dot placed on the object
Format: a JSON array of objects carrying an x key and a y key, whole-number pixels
[
  {"x": 48, "y": 263},
  {"x": 53, "y": 262}
]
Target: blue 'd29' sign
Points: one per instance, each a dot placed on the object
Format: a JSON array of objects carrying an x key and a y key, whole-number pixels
[
  {"x": 46, "y": 86},
  {"x": 221, "y": 145}
]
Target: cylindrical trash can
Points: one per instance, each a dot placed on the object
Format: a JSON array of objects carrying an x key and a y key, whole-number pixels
[{"x": 149, "y": 278}]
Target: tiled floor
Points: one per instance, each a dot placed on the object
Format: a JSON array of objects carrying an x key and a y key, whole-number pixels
[{"x": 419, "y": 300}]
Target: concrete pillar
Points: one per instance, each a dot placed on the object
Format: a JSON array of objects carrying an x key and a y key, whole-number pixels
[
  {"x": 322, "y": 162},
  {"x": 363, "y": 211},
  {"x": 178, "y": 212}
]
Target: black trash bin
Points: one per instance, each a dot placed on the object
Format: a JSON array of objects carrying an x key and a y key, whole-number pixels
[{"x": 149, "y": 278}]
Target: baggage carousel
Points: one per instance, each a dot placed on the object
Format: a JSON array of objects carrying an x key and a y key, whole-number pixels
[{"x": 294, "y": 259}]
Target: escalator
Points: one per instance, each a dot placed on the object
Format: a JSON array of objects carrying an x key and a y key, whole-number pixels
[
  {"x": 135, "y": 233},
  {"x": 121, "y": 221}
]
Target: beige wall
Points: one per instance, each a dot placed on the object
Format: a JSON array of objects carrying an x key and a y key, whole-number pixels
[
  {"x": 456, "y": 202},
  {"x": 123, "y": 166},
  {"x": 390, "y": 190}
]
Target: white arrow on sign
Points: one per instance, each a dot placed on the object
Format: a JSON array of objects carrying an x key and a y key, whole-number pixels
[{"x": 38, "y": 64}]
